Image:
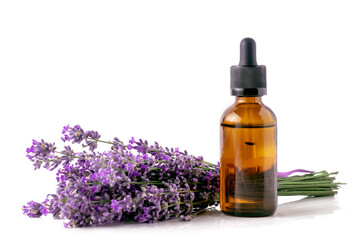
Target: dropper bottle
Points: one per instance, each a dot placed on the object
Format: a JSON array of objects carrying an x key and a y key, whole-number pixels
[{"x": 248, "y": 142}]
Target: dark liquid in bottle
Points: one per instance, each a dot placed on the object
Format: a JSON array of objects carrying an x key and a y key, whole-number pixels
[{"x": 248, "y": 170}]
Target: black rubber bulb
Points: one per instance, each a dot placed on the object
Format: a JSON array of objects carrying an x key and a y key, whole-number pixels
[
  {"x": 248, "y": 52},
  {"x": 248, "y": 78}
]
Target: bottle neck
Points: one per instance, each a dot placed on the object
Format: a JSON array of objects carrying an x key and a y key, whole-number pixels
[{"x": 257, "y": 100}]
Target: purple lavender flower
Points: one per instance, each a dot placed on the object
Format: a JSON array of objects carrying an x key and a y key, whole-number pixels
[
  {"x": 91, "y": 139},
  {"x": 40, "y": 149},
  {"x": 34, "y": 209},
  {"x": 74, "y": 134},
  {"x": 41, "y": 152}
]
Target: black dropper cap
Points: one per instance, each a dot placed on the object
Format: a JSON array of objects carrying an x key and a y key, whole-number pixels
[{"x": 248, "y": 78}]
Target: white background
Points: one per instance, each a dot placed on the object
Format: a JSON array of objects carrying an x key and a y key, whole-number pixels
[{"x": 159, "y": 70}]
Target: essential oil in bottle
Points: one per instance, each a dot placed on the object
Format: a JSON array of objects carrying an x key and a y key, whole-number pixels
[{"x": 248, "y": 140}]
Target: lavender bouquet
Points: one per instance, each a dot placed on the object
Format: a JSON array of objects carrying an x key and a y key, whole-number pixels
[{"x": 138, "y": 182}]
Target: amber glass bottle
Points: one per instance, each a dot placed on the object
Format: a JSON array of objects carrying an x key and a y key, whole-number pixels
[{"x": 248, "y": 172}]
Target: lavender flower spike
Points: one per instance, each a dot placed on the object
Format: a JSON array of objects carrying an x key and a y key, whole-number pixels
[
  {"x": 41, "y": 152},
  {"x": 75, "y": 134},
  {"x": 34, "y": 209},
  {"x": 40, "y": 149}
]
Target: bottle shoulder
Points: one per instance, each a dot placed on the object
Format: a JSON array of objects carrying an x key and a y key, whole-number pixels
[{"x": 248, "y": 114}]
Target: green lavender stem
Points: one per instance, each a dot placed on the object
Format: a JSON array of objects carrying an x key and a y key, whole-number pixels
[
  {"x": 304, "y": 185},
  {"x": 108, "y": 142},
  {"x": 308, "y": 193},
  {"x": 314, "y": 184}
]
